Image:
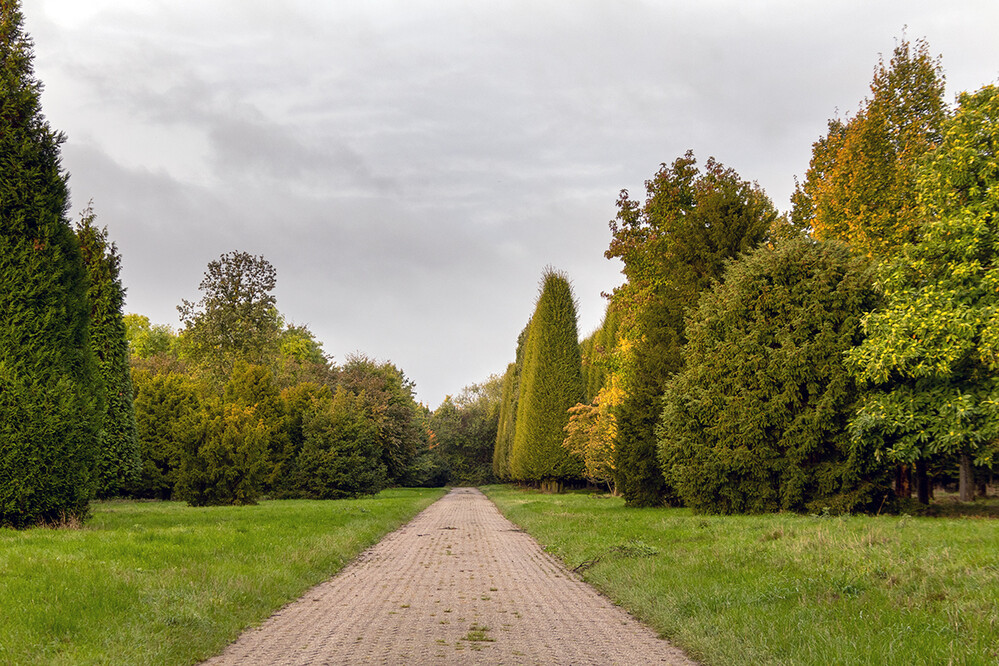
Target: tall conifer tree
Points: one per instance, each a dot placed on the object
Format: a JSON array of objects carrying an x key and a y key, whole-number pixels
[
  {"x": 118, "y": 461},
  {"x": 49, "y": 387},
  {"x": 551, "y": 382}
]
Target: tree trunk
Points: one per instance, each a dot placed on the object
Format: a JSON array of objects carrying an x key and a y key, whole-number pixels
[
  {"x": 903, "y": 481},
  {"x": 965, "y": 489},
  {"x": 922, "y": 483}
]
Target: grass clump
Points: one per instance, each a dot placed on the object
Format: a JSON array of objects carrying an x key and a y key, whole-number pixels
[
  {"x": 783, "y": 588},
  {"x": 164, "y": 583}
]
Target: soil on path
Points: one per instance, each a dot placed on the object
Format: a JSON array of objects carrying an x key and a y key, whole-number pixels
[{"x": 460, "y": 584}]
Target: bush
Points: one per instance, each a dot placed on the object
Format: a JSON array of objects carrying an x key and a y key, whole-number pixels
[
  {"x": 340, "y": 454},
  {"x": 223, "y": 455},
  {"x": 757, "y": 419}
]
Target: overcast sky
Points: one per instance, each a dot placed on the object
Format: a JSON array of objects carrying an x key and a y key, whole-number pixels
[{"x": 411, "y": 167}]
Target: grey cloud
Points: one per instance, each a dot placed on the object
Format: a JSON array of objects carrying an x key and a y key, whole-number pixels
[{"x": 410, "y": 167}]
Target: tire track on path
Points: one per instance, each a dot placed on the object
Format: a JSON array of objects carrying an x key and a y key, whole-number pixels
[{"x": 459, "y": 584}]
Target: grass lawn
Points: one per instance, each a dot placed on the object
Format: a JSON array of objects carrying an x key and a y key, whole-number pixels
[
  {"x": 783, "y": 589},
  {"x": 164, "y": 583}
]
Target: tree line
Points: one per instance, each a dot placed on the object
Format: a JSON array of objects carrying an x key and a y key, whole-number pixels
[
  {"x": 835, "y": 358},
  {"x": 237, "y": 405}
]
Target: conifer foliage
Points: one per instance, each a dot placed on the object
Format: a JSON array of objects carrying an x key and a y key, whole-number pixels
[
  {"x": 49, "y": 387},
  {"x": 118, "y": 461},
  {"x": 672, "y": 247},
  {"x": 756, "y": 421},
  {"x": 551, "y": 383}
]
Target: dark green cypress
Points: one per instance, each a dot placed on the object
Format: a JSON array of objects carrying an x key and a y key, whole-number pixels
[
  {"x": 49, "y": 387},
  {"x": 551, "y": 383},
  {"x": 118, "y": 461}
]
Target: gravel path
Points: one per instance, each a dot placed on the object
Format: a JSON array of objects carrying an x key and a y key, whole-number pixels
[{"x": 460, "y": 584}]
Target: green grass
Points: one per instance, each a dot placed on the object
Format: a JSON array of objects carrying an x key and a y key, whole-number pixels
[
  {"x": 783, "y": 589},
  {"x": 163, "y": 583}
]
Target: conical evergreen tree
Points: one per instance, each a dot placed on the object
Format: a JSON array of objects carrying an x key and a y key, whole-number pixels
[
  {"x": 49, "y": 388},
  {"x": 118, "y": 461},
  {"x": 551, "y": 382},
  {"x": 508, "y": 410}
]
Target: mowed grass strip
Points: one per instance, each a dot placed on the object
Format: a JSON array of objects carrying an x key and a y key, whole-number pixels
[
  {"x": 783, "y": 589},
  {"x": 164, "y": 583}
]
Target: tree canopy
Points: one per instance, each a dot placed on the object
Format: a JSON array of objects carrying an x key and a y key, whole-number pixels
[
  {"x": 236, "y": 318},
  {"x": 931, "y": 357},
  {"x": 672, "y": 247},
  {"x": 861, "y": 184}
]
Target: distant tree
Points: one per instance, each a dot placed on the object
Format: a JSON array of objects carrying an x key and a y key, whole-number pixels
[
  {"x": 301, "y": 358},
  {"x": 596, "y": 351},
  {"x": 341, "y": 454},
  {"x": 931, "y": 356},
  {"x": 236, "y": 318},
  {"x": 50, "y": 407},
  {"x": 118, "y": 462},
  {"x": 146, "y": 339},
  {"x": 672, "y": 247},
  {"x": 756, "y": 420},
  {"x": 861, "y": 183},
  {"x": 391, "y": 399},
  {"x": 466, "y": 429},
  {"x": 551, "y": 382}
]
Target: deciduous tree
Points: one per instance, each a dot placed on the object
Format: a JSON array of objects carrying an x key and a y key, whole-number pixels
[
  {"x": 236, "y": 318},
  {"x": 931, "y": 356},
  {"x": 861, "y": 184}
]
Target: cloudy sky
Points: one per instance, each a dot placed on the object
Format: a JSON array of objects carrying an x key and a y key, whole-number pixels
[{"x": 410, "y": 167}]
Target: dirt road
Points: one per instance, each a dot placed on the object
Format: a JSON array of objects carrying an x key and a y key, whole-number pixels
[{"x": 460, "y": 584}]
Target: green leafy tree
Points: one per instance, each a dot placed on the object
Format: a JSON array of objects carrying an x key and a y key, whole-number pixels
[
  {"x": 341, "y": 453},
  {"x": 672, "y": 247},
  {"x": 392, "y": 403},
  {"x": 756, "y": 420},
  {"x": 861, "y": 184},
  {"x": 118, "y": 462},
  {"x": 551, "y": 383},
  {"x": 465, "y": 428},
  {"x": 146, "y": 339},
  {"x": 50, "y": 407},
  {"x": 931, "y": 355},
  {"x": 301, "y": 359},
  {"x": 236, "y": 318}
]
